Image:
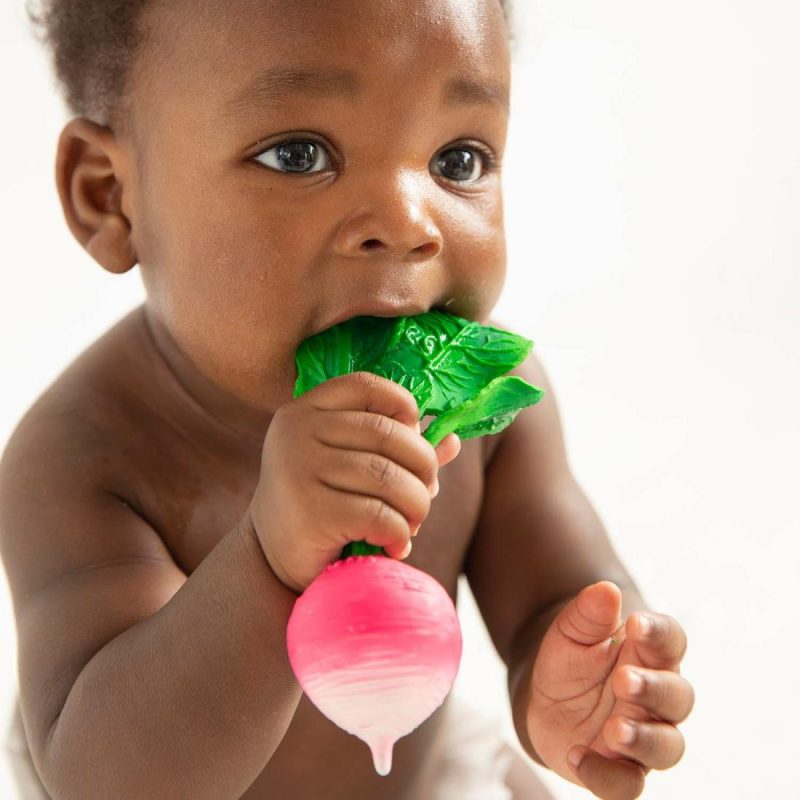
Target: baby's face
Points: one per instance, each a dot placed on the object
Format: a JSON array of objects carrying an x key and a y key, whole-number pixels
[{"x": 266, "y": 206}]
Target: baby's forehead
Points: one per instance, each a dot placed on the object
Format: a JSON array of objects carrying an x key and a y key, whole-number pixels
[
  {"x": 223, "y": 45},
  {"x": 234, "y": 71}
]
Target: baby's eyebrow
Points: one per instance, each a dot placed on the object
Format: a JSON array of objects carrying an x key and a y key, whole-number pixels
[
  {"x": 461, "y": 90},
  {"x": 274, "y": 84}
]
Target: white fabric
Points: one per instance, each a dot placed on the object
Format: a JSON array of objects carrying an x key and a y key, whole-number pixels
[{"x": 475, "y": 759}]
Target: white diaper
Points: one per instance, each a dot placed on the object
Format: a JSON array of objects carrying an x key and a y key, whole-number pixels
[{"x": 475, "y": 758}]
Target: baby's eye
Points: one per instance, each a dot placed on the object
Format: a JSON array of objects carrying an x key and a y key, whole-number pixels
[
  {"x": 298, "y": 156},
  {"x": 463, "y": 164}
]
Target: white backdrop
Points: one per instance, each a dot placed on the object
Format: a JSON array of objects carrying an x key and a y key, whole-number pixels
[{"x": 653, "y": 193}]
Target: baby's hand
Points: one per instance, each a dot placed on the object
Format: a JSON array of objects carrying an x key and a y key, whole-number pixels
[
  {"x": 344, "y": 462},
  {"x": 606, "y": 697}
]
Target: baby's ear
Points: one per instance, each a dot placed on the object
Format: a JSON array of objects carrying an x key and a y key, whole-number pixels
[{"x": 90, "y": 180}]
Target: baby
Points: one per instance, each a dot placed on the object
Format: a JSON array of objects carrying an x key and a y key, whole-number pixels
[{"x": 276, "y": 168}]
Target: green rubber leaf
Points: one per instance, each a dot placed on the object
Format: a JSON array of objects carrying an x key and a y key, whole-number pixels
[
  {"x": 442, "y": 359},
  {"x": 463, "y": 356},
  {"x": 492, "y": 410},
  {"x": 352, "y": 346}
]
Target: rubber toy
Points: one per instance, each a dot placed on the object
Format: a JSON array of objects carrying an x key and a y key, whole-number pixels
[{"x": 374, "y": 642}]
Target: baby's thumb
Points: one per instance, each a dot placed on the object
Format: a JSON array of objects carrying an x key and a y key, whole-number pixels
[{"x": 593, "y": 615}]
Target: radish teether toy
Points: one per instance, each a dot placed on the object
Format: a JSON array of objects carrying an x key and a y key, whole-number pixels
[{"x": 375, "y": 643}]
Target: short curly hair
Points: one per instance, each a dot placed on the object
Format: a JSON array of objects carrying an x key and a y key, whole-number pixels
[{"x": 93, "y": 44}]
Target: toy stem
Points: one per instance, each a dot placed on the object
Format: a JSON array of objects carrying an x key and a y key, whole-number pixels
[{"x": 362, "y": 548}]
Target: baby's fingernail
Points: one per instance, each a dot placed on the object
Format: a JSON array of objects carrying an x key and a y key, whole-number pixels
[
  {"x": 646, "y": 625},
  {"x": 635, "y": 683},
  {"x": 627, "y": 732},
  {"x": 435, "y": 489},
  {"x": 419, "y": 429},
  {"x": 415, "y": 531},
  {"x": 574, "y": 757}
]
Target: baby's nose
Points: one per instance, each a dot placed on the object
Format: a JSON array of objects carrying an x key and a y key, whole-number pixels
[{"x": 395, "y": 219}]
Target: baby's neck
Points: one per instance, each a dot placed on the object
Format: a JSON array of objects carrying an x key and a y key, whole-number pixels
[{"x": 242, "y": 425}]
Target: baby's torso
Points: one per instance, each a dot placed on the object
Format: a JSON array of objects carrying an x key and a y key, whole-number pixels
[{"x": 193, "y": 489}]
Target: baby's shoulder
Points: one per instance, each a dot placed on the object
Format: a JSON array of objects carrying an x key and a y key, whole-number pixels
[
  {"x": 95, "y": 437},
  {"x": 68, "y": 469},
  {"x": 85, "y": 417}
]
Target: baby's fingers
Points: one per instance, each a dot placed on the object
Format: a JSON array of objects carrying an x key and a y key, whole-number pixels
[
  {"x": 663, "y": 694},
  {"x": 448, "y": 449},
  {"x": 660, "y": 639},
  {"x": 611, "y": 779},
  {"x": 657, "y": 745}
]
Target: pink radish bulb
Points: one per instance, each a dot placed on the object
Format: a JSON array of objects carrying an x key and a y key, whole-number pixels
[{"x": 376, "y": 645}]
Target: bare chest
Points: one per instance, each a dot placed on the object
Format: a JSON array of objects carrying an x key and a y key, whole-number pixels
[{"x": 194, "y": 498}]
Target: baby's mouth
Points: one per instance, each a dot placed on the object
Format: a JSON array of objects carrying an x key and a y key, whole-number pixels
[{"x": 387, "y": 310}]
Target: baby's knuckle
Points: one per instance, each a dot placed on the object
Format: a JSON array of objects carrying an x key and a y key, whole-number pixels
[
  {"x": 660, "y": 634},
  {"x": 431, "y": 465},
  {"x": 368, "y": 380},
  {"x": 380, "y": 469},
  {"x": 648, "y": 741},
  {"x": 299, "y": 406},
  {"x": 404, "y": 397},
  {"x": 658, "y": 690},
  {"x": 383, "y": 390},
  {"x": 378, "y": 515},
  {"x": 410, "y": 402},
  {"x": 382, "y": 426},
  {"x": 422, "y": 506},
  {"x": 671, "y": 634}
]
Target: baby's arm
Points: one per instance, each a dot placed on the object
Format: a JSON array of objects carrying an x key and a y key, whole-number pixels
[
  {"x": 135, "y": 682},
  {"x": 540, "y": 566},
  {"x": 138, "y": 682}
]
